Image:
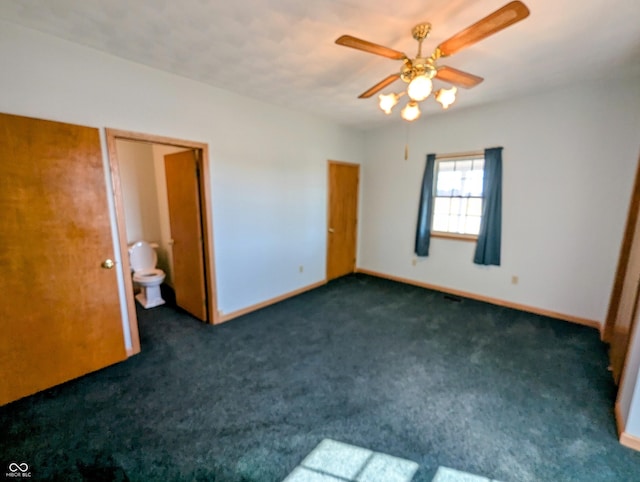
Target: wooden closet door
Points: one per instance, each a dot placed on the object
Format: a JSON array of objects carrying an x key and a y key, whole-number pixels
[
  {"x": 343, "y": 219},
  {"x": 59, "y": 311}
]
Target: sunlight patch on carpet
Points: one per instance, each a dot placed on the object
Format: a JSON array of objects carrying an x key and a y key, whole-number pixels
[
  {"x": 445, "y": 474},
  {"x": 334, "y": 461}
]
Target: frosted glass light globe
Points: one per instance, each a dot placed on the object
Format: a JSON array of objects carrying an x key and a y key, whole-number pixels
[
  {"x": 410, "y": 112},
  {"x": 387, "y": 102},
  {"x": 420, "y": 88},
  {"x": 446, "y": 97}
]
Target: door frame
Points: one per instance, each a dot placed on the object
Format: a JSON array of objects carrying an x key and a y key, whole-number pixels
[
  {"x": 357, "y": 229},
  {"x": 113, "y": 135},
  {"x": 623, "y": 260}
]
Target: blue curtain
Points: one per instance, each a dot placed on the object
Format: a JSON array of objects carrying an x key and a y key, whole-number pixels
[
  {"x": 423, "y": 231},
  {"x": 488, "y": 245}
]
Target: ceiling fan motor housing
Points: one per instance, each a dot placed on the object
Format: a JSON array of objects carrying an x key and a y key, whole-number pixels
[{"x": 418, "y": 66}]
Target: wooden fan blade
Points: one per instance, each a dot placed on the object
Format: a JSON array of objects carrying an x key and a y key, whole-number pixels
[
  {"x": 508, "y": 15},
  {"x": 379, "y": 86},
  {"x": 458, "y": 77},
  {"x": 356, "y": 43}
]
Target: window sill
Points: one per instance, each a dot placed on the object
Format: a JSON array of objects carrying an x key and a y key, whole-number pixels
[{"x": 459, "y": 237}]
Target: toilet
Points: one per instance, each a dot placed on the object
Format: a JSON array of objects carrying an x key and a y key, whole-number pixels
[{"x": 143, "y": 259}]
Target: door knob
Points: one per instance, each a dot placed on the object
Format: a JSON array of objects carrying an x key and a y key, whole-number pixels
[
  {"x": 331, "y": 230},
  {"x": 108, "y": 264}
]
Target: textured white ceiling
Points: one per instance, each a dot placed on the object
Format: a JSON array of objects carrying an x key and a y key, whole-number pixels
[{"x": 283, "y": 51}]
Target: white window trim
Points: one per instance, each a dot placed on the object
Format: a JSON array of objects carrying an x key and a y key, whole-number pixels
[{"x": 457, "y": 156}]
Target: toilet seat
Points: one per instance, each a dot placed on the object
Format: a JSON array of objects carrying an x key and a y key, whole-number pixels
[
  {"x": 148, "y": 275},
  {"x": 143, "y": 259}
]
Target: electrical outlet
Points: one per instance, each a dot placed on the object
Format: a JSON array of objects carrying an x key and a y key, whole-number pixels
[
  {"x": 514, "y": 280},
  {"x": 414, "y": 261},
  {"x": 301, "y": 268}
]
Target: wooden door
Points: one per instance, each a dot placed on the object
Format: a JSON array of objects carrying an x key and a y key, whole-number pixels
[
  {"x": 59, "y": 308},
  {"x": 624, "y": 296},
  {"x": 625, "y": 316},
  {"x": 342, "y": 219},
  {"x": 183, "y": 191}
]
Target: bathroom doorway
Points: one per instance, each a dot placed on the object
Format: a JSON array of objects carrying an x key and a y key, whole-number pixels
[{"x": 162, "y": 195}]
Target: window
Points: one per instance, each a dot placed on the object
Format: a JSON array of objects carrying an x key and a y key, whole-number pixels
[{"x": 457, "y": 202}]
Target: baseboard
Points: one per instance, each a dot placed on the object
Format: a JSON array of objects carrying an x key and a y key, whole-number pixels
[
  {"x": 630, "y": 441},
  {"x": 487, "y": 299},
  {"x": 235, "y": 314}
]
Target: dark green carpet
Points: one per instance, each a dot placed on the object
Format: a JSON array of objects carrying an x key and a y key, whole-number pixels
[{"x": 373, "y": 363}]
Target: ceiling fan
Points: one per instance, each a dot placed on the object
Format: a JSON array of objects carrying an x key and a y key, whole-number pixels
[{"x": 419, "y": 71}]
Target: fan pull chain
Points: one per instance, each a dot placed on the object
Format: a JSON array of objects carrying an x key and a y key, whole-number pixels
[{"x": 406, "y": 146}]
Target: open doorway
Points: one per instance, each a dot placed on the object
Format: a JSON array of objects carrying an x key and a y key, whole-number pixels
[{"x": 161, "y": 194}]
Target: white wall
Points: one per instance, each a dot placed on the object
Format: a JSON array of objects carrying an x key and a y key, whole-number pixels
[
  {"x": 139, "y": 193},
  {"x": 268, "y": 164},
  {"x": 568, "y": 164}
]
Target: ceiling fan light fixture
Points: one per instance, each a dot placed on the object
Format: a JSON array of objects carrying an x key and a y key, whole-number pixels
[
  {"x": 419, "y": 71},
  {"x": 446, "y": 97},
  {"x": 411, "y": 111},
  {"x": 388, "y": 101},
  {"x": 420, "y": 88}
]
